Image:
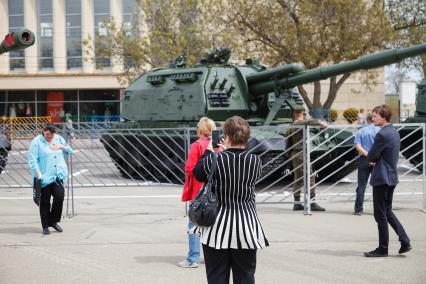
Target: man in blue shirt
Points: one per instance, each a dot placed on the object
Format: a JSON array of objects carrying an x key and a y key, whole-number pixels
[{"x": 364, "y": 139}]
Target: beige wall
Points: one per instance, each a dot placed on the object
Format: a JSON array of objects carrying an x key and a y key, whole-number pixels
[
  {"x": 58, "y": 82},
  {"x": 354, "y": 94}
]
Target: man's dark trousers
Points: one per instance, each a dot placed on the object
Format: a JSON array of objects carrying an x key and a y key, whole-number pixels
[
  {"x": 220, "y": 261},
  {"x": 50, "y": 216},
  {"x": 364, "y": 172},
  {"x": 382, "y": 199}
]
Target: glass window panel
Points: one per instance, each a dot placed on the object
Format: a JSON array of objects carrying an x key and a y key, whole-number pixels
[
  {"x": 76, "y": 52},
  {"x": 101, "y": 6},
  {"x": 45, "y": 7},
  {"x": 74, "y": 62},
  {"x": 73, "y": 34},
  {"x": 73, "y": 21},
  {"x": 46, "y": 62},
  {"x": 95, "y": 95},
  {"x": 16, "y": 7},
  {"x": 101, "y": 12},
  {"x": 129, "y": 6},
  {"x": 45, "y": 33},
  {"x": 73, "y": 6},
  {"x": 16, "y": 21},
  {"x": 17, "y": 63}
]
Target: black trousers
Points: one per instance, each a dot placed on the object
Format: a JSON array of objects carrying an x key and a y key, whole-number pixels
[
  {"x": 219, "y": 263},
  {"x": 50, "y": 215},
  {"x": 382, "y": 201}
]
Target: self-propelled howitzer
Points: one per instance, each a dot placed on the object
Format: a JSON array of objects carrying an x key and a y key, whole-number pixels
[{"x": 177, "y": 96}]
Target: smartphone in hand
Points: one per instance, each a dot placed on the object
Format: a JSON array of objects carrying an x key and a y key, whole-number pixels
[{"x": 215, "y": 138}]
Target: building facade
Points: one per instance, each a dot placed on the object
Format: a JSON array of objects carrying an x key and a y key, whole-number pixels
[{"x": 57, "y": 75}]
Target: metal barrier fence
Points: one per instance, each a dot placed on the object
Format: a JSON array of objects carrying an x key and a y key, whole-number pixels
[{"x": 105, "y": 156}]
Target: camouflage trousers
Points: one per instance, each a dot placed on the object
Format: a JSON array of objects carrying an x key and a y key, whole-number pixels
[{"x": 297, "y": 161}]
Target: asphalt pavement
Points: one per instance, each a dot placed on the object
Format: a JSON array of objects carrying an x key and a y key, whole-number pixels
[{"x": 137, "y": 235}]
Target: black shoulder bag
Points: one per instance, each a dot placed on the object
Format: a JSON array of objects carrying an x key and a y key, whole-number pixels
[
  {"x": 37, "y": 191},
  {"x": 203, "y": 210}
]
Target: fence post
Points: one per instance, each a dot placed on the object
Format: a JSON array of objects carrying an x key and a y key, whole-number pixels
[
  {"x": 70, "y": 185},
  {"x": 187, "y": 147},
  {"x": 306, "y": 171},
  {"x": 424, "y": 168}
]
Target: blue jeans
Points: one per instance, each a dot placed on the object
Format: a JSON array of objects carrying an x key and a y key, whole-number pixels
[
  {"x": 194, "y": 246},
  {"x": 364, "y": 172}
]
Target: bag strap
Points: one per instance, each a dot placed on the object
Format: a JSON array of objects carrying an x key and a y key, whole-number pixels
[{"x": 213, "y": 169}]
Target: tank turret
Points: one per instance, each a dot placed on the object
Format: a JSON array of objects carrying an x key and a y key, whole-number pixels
[
  {"x": 17, "y": 40},
  {"x": 178, "y": 96}
]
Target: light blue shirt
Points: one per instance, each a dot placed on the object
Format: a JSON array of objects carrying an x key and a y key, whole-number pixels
[
  {"x": 50, "y": 163},
  {"x": 365, "y": 136}
]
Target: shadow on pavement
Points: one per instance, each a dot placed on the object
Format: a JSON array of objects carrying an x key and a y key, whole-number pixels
[
  {"x": 171, "y": 259},
  {"x": 21, "y": 230}
]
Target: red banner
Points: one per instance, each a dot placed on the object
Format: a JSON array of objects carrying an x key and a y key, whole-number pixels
[{"x": 55, "y": 105}]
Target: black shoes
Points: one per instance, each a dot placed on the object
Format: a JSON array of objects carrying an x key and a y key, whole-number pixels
[
  {"x": 375, "y": 253},
  {"x": 298, "y": 207},
  {"x": 46, "y": 231},
  {"x": 359, "y": 213},
  {"x": 316, "y": 207},
  {"x": 57, "y": 227},
  {"x": 380, "y": 253},
  {"x": 404, "y": 249}
]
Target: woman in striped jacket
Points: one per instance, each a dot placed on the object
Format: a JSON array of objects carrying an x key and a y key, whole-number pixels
[{"x": 232, "y": 242}]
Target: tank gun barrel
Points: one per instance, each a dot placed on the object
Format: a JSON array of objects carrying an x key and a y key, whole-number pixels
[
  {"x": 379, "y": 59},
  {"x": 17, "y": 40},
  {"x": 280, "y": 71}
]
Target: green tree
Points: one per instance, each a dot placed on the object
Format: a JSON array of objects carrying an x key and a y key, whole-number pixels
[
  {"x": 315, "y": 33},
  {"x": 160, "y": 30},
  {"x": 408, "y": 18}
]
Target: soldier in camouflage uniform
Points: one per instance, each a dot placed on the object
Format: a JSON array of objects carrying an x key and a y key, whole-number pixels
[{"x": 294, "y": 138}]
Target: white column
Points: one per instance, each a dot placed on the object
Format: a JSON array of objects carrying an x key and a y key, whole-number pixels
[
  {"x": 87, "y": 30},
  {"x": 59, "y": 47},
  {"x": 116, "y": 8},
  {"x": 30, "y": 22},
  {"x": 4, "y": 29}
]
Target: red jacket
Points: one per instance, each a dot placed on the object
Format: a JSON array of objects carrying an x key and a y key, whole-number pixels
[{"x": 192, "y": 185}]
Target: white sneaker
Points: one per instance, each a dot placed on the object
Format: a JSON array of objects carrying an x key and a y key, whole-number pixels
[{"x": 186, "y": 264}]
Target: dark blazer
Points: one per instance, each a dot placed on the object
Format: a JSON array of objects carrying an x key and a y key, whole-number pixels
[{"x": 385, "y": 153}]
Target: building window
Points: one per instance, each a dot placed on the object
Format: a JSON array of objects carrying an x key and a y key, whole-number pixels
[
  {"x": 129, "y": 14},
  {"x": 45, "y": 34},
  {"x": 16, "y": 21},
  {"x": 101, "y": 12},
  {"x": 73, "y": 33}
]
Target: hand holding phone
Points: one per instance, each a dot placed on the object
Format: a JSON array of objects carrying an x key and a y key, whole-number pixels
[{"x": 215, "y": 139}]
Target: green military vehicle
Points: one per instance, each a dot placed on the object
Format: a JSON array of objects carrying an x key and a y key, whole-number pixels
[
  {"x": 412, "y": 137},
  {"x": 179, "y": 95}
]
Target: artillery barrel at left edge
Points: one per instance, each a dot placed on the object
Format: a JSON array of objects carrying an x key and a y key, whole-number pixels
[{"x": 17, "y": 40}]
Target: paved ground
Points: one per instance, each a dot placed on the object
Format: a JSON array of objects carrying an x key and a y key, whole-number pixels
[{"x": 136, "y": 235}]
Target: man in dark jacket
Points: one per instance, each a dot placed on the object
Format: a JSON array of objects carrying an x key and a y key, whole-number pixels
[{"x": 383, "y": 157}]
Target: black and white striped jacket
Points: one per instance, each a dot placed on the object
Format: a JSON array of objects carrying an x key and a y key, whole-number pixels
[{"x": 237, "y": 225}]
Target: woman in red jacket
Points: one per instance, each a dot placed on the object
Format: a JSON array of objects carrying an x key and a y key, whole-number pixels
[{"x": 192, "y": 186}]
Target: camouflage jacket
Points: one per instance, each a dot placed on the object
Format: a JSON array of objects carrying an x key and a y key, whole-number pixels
[{"x": 294, "y": 136}]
